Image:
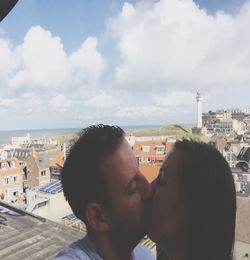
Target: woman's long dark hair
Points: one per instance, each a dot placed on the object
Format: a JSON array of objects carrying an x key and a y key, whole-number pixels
[{"x": 209, "y": 191}]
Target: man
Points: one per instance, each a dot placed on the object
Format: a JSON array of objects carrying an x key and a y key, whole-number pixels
[{"x": 103, "y": 185}]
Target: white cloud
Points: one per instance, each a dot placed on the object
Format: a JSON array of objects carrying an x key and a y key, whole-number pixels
[
  {"x": 7, "y": 103},
  {"x": 41, "y": 63},
  {"x": 161, "y": 53},
  {"x": 177, "y": 98},
  {"x": 86, "y": 65},
  {"x": 102, "y": 99},
  {"x": 142, "y": 112},
  {"x": 7, "y": 59},
  {"x": 39, "y": 75},
  {"x": 175, "y": 45},
  {"x": 60, "y": 103}
]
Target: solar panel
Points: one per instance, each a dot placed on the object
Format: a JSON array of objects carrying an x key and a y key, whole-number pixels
[
  {"x": 56, "y": 189},
  {"x": 53, "y": 187}
]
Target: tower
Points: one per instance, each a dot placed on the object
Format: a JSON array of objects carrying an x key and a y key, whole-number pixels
[{"x": 199, "y": 110}]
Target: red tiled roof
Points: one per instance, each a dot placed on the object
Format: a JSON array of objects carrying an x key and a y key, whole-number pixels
[
  {"x": 138, "y": 149},
  {"x": 150, "y": 171},
  {"x": 58, "y": 161}
]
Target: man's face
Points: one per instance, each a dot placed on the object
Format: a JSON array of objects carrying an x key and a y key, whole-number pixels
[{"x": 129, "y": 192}]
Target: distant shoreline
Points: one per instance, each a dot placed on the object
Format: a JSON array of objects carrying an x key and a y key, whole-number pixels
[{"x": 5, "y": 136}]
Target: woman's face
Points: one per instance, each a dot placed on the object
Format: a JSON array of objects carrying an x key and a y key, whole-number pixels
[{"x": 168, "y": 212}]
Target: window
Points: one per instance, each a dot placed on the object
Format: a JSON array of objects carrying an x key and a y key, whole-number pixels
[
  {"x": 6, "y": 181},
  {"x": 4, "y": 165},
  {"x": 144, "y": 159},
  {"x": 12, "y": 164},
  {"x": 43, "y": 173},
  {"x": 160, "y": 149},
  {"x": 145, "y": 148},
  {"x": 15, "y": 179}
]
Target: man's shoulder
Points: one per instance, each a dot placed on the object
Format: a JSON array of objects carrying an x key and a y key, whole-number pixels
[
  {"x": 71, "y": 253},
  {"x": 79, "y": 250},
  {"x": 142, "y": 252}
]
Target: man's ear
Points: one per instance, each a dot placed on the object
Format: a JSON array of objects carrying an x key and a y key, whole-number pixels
[{"x": 97, "y": 217}]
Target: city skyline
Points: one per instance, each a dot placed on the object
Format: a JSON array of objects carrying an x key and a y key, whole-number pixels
[{"x": 66, "y": 65}]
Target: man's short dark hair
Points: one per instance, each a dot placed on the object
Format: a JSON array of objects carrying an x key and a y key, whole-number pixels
[{"x": 82, "y": 178}]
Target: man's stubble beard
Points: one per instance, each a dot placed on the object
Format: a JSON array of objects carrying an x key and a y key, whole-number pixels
[{"x": 125, "y": 239}]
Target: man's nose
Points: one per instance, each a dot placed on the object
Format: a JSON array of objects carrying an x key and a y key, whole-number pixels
[{"x": 146, "y": 188}]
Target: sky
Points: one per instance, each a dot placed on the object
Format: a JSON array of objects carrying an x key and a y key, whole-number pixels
[{"x": 67, "y": 64}]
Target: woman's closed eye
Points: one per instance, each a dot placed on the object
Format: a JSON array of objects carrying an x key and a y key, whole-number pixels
[{"x": 132, "y": 188}]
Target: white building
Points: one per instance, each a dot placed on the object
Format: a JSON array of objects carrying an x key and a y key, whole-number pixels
[
  {"x": 27, "y": 140},
  {"x": 21, "y": 140},
  {"x": 48, "y": 202},
  {"x": 132, "y": 139},
  {"x": 224, "y": 126}
]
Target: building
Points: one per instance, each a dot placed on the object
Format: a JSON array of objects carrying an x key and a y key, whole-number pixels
[
  {"x": 238, "y": 114},
  {"x": 224, "y": 126},
  {"x": 21, "y": 154},
  {"x": 21, "y": 140},
  {"x": 224, "y": 121},
  {"x": 230, "y": 157},
  {"x": 26, "y": 236},
  {"x": 164, "y": 138},
  {"x": 235, "y": 146},
  {"x": 48, "y": 201},
  {"x": 27, "y": 141},
  {"x": 151, "y": 151},
  {"x": 242, "y": 181},
  {"x": 56, "y": 164},
  {"x": 37, "y": 171},
  {"x": 5, "y": 150},
  {"x": 11, "y": 180}
]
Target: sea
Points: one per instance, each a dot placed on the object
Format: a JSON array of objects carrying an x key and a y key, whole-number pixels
[{"x": 5, "y": 136}]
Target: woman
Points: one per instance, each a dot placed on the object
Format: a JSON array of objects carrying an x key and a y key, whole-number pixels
[{"x": 194, "y": 205}]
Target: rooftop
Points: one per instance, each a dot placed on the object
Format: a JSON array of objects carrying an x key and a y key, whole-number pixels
[
  {"x": 150, "y": 171},
  {"x": 43, "y": 159},
  {"x": 26, "y": 236}
]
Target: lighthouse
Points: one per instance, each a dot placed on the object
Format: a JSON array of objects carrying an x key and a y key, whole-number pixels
[{"x": 199, "y": 110}]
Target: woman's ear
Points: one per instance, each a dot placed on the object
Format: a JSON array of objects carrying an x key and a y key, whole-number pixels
[{"x": 97, "y": 217}]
